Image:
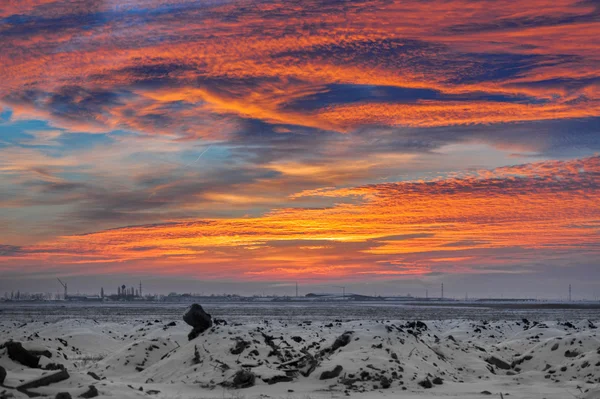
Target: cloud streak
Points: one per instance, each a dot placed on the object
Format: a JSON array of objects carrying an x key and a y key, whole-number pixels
[{"x": 463, "y": 224}]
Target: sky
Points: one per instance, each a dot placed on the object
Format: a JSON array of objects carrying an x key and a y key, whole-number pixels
[{"x": 243, "y": 146}]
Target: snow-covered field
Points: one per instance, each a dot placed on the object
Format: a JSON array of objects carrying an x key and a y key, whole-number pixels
[{"x": 304, "y": 357}]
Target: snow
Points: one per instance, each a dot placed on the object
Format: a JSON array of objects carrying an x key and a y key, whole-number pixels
[{"x": 141, "y": 358}]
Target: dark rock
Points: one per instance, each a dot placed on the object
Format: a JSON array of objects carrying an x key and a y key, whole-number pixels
[
  {"x": 437, "y": 381},
  {"x": 385, "y": 382},
  {"x": 63, "y": 395},
  {"x": 220, "y": 322},
  {"x": 21, "y": 355},
  {"x": 573, "y": 353},
  {"x": 172, "y": 324},
  {"x": 297, "y": 339},
  {"x": 54, "y": 366},
  {"x": 44, "y": 380},
  {"x": 198, "y": 319},
  {"x": 278, "y": 378},
  {"x": 308, "y": 365},
  {"x": 554, "y": 347},
  {"x": 327, "y": 375},
  {"x": 92, "y": 392},
  {"x": 501, "y": 364},
  {"x": 243, "y": 379},
  {"x": 239, "y": 347},
  {"x": 426, "y": 383},
  {"x": 94, "y": 375},
  {"x": 591, "y": 325},
  {"x": 2, "y": 375},
  {"x": 341, "y": 341},
  {"x": 196, "y": 359},
  {"x": 486, "y": 393},
  {"x": 46, "y": 353},
  {"x": 193, "y": 334}
]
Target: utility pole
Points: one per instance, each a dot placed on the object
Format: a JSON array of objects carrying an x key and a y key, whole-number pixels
[
  {"x": 570, "y": 298},
  {"x": 442, "y": 290},
  {"x": 140, "y": 288}
]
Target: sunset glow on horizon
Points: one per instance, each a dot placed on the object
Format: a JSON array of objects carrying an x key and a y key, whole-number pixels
[{"x": 316, "y": 141}]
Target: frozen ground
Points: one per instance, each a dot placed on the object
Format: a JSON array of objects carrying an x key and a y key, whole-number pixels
[
  {"x": 143, "y": 352},
  {"x": 257, "y": 311}
]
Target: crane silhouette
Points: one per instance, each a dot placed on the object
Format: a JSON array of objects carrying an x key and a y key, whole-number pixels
[
  {"x": 64, "y": 286},
  {"x": 343, "y": 290}
]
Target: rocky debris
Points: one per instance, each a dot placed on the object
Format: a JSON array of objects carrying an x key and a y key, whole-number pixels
[
  {"x": 63, "y": 395},
  {"x": 501, "y": 364},
  {"x": 340, "y": 342},
  {"x": 278, "y": 378},
  {"x": 327, "y": 375},
  {"x": 426, "y": 383},
  {"x": 94, "y": 375},
  {"x": 385, "y": 382},
  {"x": 418, "y": 325},
  {"x": 240, "y": 346},
  {"x": 21, "y": 355},
  {"x": 196, "y": 359},
  {"x": 2, "y": 375},
  {"x": 308, "y": 365},
  {"x": 241, "y": 379},
  {"x": 283, "y": 351},
  {"x": 53, "y": 366},
  {"x": 92, "y": 392},
  {"x": 44, "y": 380},
  {"x": 198, "y": 319}
]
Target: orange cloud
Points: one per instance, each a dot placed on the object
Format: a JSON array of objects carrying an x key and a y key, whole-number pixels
[
  {"x": 224, "y": 60},
  {"x": 398, "y": 229}
]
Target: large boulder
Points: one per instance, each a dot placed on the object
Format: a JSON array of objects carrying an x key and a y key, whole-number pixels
[
  {"x": 92, "y": 392},
  {"x": 21, "y": 355},
  {"x": 243, "y": 379},
  {"x": 198, "y": 319},
  {"x": 501, "y": 364},
  {"x": 2, "y": 375},
  {"x": 327, "y": 375}
]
